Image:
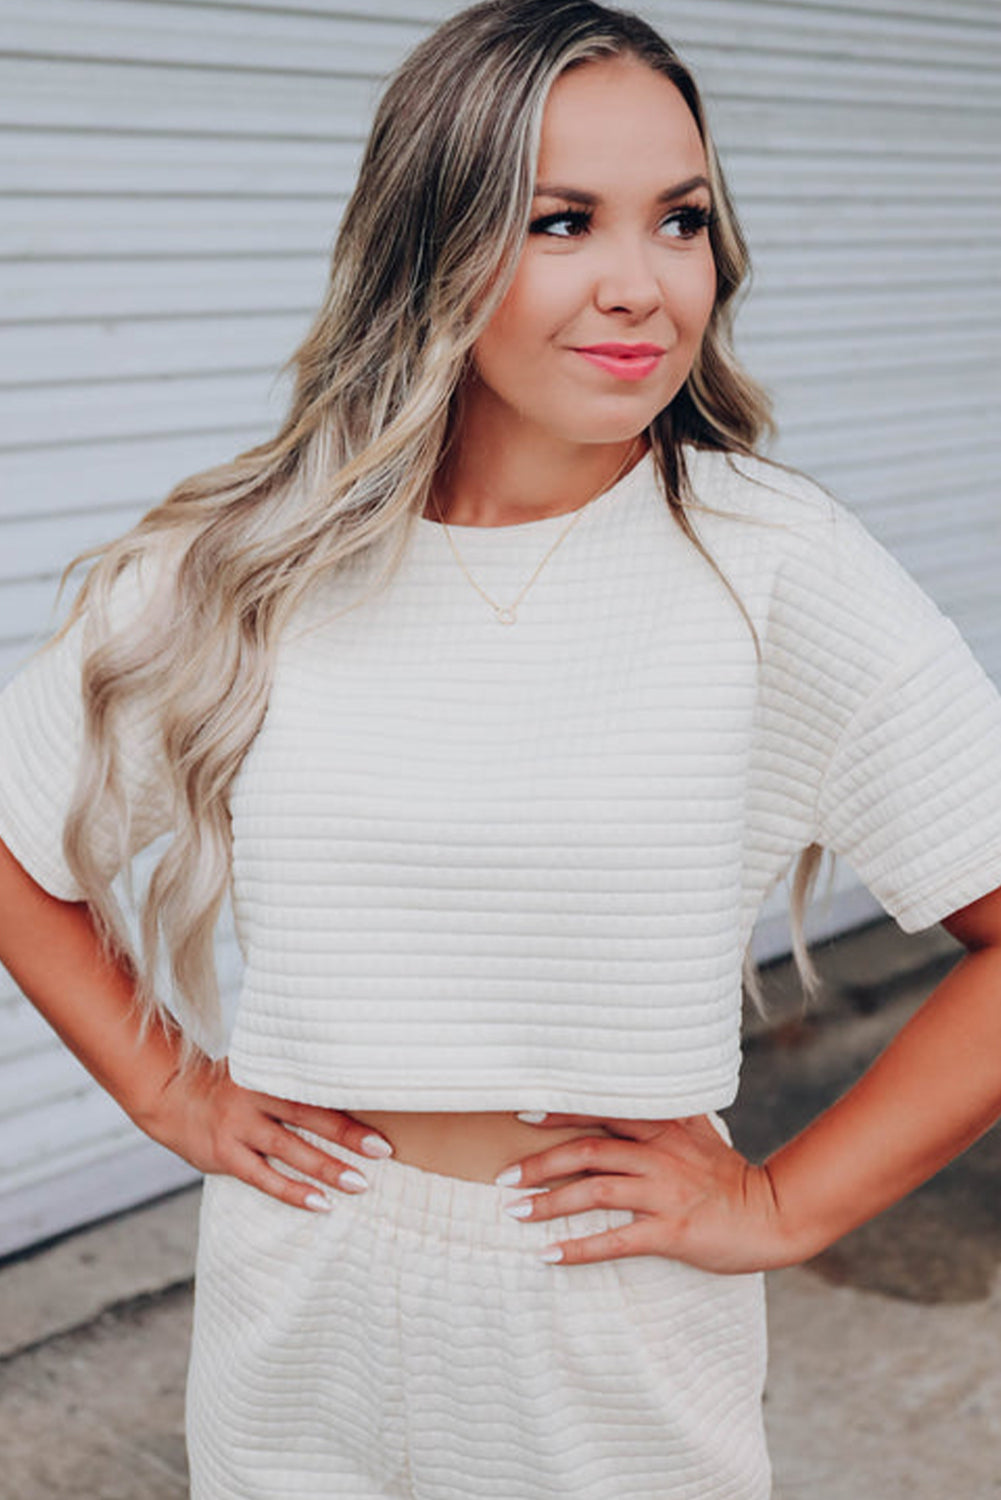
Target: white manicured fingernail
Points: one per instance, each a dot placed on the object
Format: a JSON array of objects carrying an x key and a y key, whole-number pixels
[
  {"x": 319, "y": 1203},
  {"x": 376, "y": 1145},
  {"x": 532, "y": 1116},
  {"x": 554, "y": 1253},
  {"x": 518, "y": 1210},
  {"x": 509, "y": 1177},
  {"x": 353, "y": 1181}
]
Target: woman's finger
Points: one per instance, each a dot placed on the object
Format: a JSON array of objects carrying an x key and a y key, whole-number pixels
[
  {"x": 284, "y": 1146},
  {"x": 621, "y": 1191},
  {"x": 254, "y": 1170},
  {"x": 548, "y": 1119},
  {"x": 587, "y": 1153},
  {"x": 333, "y": 1124},
  {"x": 634, "y": 1129},
  {"x": 612, "y": 1244}
]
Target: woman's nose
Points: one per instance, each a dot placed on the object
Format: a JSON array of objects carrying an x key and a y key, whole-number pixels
[{"x": 627, "y": 279}]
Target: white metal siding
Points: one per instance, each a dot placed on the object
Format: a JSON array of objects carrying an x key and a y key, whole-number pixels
[
  {"x": 172, "y": 175},
  {"x": 863, "y": 147}
]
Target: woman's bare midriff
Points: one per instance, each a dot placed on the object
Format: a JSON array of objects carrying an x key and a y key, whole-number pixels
[{"x": 473, "y": 1145}]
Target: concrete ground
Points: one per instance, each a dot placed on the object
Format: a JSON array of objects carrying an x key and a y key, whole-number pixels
[{"x": 885, "y": 1351}]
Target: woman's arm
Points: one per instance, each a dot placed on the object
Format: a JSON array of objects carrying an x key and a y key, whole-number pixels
[
  {"x": 53, "y": 953},
  {"x": 928, "y": 1096}
]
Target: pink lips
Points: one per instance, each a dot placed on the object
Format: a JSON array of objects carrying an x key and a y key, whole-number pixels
[{"x": 626, "y": 361}]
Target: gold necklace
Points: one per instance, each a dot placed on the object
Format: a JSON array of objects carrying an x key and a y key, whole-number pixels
[{"x": 507, "y": 614}]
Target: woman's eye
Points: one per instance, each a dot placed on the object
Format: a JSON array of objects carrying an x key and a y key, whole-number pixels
[
  {"x": 573, "y": 221},
  {"x": 685, "y": 223}
]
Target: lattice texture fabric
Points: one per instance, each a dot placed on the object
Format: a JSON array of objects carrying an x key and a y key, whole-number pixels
[
  {"x": 487, "y": 866},
  {"x": 410, "y": 1343}
]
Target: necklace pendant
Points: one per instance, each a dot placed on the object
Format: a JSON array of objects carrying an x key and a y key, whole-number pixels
[{"x": 507, "y": 614}]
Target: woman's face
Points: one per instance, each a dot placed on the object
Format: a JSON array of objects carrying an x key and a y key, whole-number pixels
[{"x": 618, "y": 253}]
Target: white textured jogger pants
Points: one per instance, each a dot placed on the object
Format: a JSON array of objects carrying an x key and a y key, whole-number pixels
[{"x": 410, "y": 1345}]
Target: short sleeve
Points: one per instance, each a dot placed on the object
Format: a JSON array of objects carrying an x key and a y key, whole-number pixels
[
  {"x": 911, "y": 791},
  {"x": 41, "y": 735}
]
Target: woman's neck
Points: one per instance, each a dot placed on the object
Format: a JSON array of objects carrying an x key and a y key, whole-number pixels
[{"x": 491, "y": 484}]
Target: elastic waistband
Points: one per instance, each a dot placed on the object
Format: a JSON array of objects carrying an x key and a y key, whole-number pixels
[{"x": 435, "y": 1206}]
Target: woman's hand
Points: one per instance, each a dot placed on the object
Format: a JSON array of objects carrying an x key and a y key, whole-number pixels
[
  {"x": 220, "y": 1127},
  {"x": 693, "y": 1196},
  {"x": 53, "y": 952}
]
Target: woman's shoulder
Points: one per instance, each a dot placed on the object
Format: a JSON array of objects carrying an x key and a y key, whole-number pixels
[
  {"x": 747, "y": 502},
  {"x": 754, "y": 488},
  {"x": 813, "y": 554}
]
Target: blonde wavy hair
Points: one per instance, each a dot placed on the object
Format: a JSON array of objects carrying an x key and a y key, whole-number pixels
[{"x": 426, "y": 250}]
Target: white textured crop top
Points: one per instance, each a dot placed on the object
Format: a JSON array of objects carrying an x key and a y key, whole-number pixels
[{"x": 490, "y": 866}]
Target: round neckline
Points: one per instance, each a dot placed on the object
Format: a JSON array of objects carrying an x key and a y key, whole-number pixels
[{"x": 539, "y": 524}]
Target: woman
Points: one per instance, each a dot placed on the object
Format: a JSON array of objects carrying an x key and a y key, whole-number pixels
[{"x": 502, "y": 684}]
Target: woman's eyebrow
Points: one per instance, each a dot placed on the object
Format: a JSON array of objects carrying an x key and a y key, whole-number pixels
[{"x": 592, "y": 200}]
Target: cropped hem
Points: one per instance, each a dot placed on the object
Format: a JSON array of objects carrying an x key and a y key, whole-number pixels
[
  {"x": 586, "y": 1096},
  {"x": 50, "y": 874},
  {"x": 951, "y": 890}
]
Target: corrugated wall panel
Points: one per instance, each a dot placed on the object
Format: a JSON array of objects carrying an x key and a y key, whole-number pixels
[{"x": 171, "y": 177}]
